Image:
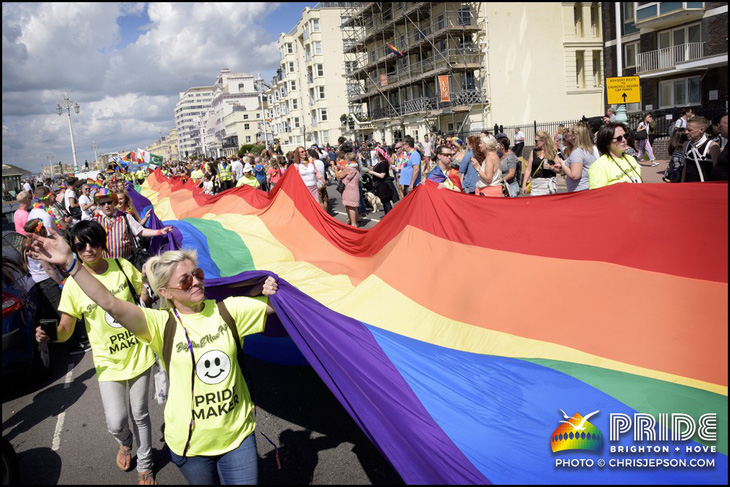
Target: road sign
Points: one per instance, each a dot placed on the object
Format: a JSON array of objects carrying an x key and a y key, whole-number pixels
[{"x": 625, "y": 89}]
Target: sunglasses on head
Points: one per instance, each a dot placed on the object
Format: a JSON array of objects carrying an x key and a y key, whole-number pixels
[{"x": 186, "y": 282}]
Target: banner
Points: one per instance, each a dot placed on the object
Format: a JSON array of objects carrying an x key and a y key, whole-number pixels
[
  {"x": 444, "y": 87},
  {"x": 143, "y": 155},
  {"x": 383, "y": 80}
]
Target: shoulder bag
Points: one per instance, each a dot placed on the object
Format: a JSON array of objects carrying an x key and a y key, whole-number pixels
[
  {"x": 529, "y": 183},
  {"x": 140, "y": 255}
]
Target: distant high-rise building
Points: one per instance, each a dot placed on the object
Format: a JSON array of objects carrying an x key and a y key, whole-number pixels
[{"x": 190, "y": 111}]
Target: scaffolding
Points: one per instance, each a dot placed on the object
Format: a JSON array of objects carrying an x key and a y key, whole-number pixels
[{"x": 435, "y": 39}]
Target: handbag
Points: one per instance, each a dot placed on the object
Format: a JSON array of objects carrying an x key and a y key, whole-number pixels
[
  {"x": 140, "y": 255},
  {"x": 75, "y": 212},
  {"x": 641, "y": 134}
]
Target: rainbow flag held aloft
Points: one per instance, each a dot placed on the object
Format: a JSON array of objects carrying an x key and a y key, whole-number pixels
[
  {"x": 396, "y": 51},
  {"x": 472, "y": 338}
]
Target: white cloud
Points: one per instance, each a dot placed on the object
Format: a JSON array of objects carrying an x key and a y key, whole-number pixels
[{"x": 126, "y": 94}]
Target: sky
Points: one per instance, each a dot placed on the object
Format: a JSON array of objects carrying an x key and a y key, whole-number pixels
[{"x": 125, "y": 65}]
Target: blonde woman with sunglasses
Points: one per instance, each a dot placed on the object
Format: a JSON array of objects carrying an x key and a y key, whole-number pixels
[
  {"x": 542, "y": 167},
  {"x": 582, "y": 154},
  {"x": 209, "y": 422}
]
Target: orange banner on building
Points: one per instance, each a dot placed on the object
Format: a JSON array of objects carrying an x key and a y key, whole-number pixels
[
  {"x": 383, "y": 80},
  {"x": 444, "y": 86}
]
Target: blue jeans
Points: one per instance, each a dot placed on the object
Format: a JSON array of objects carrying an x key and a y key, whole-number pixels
[{"x": 237, "y": 467}]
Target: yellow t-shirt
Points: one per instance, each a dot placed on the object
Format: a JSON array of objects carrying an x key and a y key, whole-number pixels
[
  {"x": 606, "y": 171},
  {"x": 250, "y": 180},
  {"x": 118, "y": 354},
  {"x": 222, "y": 410}
]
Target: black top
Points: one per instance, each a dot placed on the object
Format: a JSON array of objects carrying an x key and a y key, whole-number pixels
[
  {"x": 382, "y": 188},
  {"x": 544, "y": 171},
  {"x": 719, "y": 172},
  {"x": 701, "y": 155}
]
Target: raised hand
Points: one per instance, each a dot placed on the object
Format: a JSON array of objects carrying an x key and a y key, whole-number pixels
[{"x": 52, "y": 249}]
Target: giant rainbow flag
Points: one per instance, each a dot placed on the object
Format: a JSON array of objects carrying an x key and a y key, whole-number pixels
[{"x": 468, "y": 337}]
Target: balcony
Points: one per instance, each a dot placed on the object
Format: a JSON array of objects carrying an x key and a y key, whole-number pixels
[
  {"x": 660, "y": 15},
  {"x": 668, "y": 58},
  {"x": 460, "y": 101}
]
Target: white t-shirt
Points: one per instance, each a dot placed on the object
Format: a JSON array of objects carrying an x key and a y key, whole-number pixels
[
  {"x": 85, "y": 200},
  {"x": 426, "y": 149},
  {"x": 27, "y": 187},
  {"x": 237, "y": 169},
  {"x": 67, "y": 199},
  {"x": 308, "y": 173},
  {"x": 520, "y": 136},
  {"x": 44, "y": 217},
  {"x": 208, "y": 187}
]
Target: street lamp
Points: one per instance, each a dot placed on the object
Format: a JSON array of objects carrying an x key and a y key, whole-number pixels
[
  {"x": 50, "y": 164},
  {"x": 260, "y": 87},
  {"x": 68, "y": 104},
  {"x": 95, "y": 146}
]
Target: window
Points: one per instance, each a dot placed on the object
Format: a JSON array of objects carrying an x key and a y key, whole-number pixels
[
  {"x": 597, "y": 69},
  {"x": 307, "y": 53},
  {"x": 289, "y": 48},
  {"x": 578, "y": 19},
  {"x": 291, "y": 66},
  {"x": 320, "y": 70},
  {"x": 440, "y": 22},
  {"x": 295, "y": 104},
  {"x": 629, "y": 16},
  {"x": 245, "y": 116},
  {"x": 630, "y": 52},
  {"x": 464, "y": 16},
  {"x": 317, "y": 47},
  {"x": 322, "y": 114},
  {"x": 580, "y": 80},
  {"x": 680, "y": 92},
  {"x": 292, "y": 85},
  {"x": 315, "y": 25},
  {"x": 321, "y": 92},
  {"x": 296, "y": 122},
  {"x": 246, "y": 126},
  {"x": 596, "y": 19}
]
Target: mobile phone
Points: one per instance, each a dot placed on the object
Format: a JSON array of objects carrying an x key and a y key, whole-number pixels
[{"x": 50, "y": 327}]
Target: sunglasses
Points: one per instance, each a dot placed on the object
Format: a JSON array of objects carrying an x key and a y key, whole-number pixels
[
  {"x": 186, "y": 282},
  {"x": 620, "y": 138},
  {"x": 105, "y": 203},
  {"x": 81, "y": 246}
]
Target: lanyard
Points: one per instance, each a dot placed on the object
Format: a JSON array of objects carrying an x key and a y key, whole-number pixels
[
  {"x": 192, "y": 382},
  {"x": 631, "y": 179}
]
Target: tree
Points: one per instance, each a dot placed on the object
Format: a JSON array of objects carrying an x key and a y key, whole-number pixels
[{"x": 254, "y": 149}]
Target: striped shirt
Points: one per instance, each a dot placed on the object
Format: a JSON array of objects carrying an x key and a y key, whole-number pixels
[{"x": 118, "y": 240}]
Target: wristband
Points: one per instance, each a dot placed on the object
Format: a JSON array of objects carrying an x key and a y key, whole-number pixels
[
  {"x": 73, "y": 264},
  {"x": 159, "y": 232}
]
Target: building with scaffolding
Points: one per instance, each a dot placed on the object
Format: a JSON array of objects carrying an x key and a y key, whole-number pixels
[{"x": 458, "y": 67}]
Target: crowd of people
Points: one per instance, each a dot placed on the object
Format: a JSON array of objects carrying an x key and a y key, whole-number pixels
[{"x": 81, "y": 233}]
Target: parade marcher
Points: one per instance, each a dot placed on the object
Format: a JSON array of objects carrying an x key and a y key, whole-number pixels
[
  {"x": 86, "y": 203},
  {"x": 675, "y": 167},
  {"x": 236, "y": 170},
  {"x": 701, "y": 153},
  {"x": 21, "y": 214},
  {"x": 410, "y": 174},
  {"x": 124, "y": 204},
  {"x": 614, "y": 165},
  {"x": 541, "y": 167},
  {"x": 469, "y": 175},
  {"x": 439, "y": 174},
  {"x": 275, "y": 172},
  {"x": 225, "y": 175},
  {"x": 208, "y": 448},
  {"x": 44, "y": 209},
  {"x": 381, "y": 173},
  {"x": 486, "y": 163},
  {"x": 120, "y": 359},
  {"x": 582, "y": 155},
  {"x": 259, "y": 172},
  {"x": 350, "y": 176},
  {"x": 248, "y": 178},
  {"x": 311, "y": 176},
  {"x": 120, "y": 227}
]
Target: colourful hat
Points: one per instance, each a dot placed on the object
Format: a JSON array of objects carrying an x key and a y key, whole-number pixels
[{"x": 105, "y": 193}]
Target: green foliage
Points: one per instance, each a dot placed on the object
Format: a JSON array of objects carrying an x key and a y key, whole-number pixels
[{"x": 254, "y": 149}]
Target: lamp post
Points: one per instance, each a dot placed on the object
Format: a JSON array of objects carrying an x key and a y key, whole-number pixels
[
  {"x": 260, "y": 87},
  {"x": 68, "y": 104},
  {"x": 50, "y": 164},
  {"x": 95, "y": 146}
]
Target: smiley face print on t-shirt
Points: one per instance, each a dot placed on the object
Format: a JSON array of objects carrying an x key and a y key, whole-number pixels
[{"x": 213, "y": 367}]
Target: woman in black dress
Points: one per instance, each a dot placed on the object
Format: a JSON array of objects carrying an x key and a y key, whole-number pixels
[{"x": 381, "y": 173}]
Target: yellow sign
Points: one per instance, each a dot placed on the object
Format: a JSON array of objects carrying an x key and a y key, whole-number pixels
[{"x": 626, "y": 89}]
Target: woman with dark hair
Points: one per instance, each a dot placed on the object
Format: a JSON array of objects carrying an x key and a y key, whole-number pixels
[
  {"x": 381, "y": 173},
  {"x": 673, "y": 174},
  {"x": 121, "y": 361},
  {"x": 508, "y": 165},
  {"x": 615, "y": 165},
  {"x": 643, "y": 144}
]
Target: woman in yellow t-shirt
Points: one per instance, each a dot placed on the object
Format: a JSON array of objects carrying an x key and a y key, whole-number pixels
[
  {"x": 209, "y": 420},
  {"x": 614, "y": 165},
  {"x": 120, "y": 359}
]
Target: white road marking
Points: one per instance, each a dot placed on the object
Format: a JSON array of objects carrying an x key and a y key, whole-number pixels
[{"x": 56, "y": 443}]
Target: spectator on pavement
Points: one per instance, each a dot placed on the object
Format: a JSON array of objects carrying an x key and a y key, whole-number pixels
[
  {"x": 675, "y": 167},
  {"x": 701, "y": 153},
  {"x": 542, "y": 165},
  {"x": 582, "y": 153},
  {"x": 486, "y": 163},
  {"x": 508, "y": 165},
  {"x": 469, "y": 175}
]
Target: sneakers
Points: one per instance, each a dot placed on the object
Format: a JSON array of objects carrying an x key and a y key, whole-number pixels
[
  {"x": 654, "y": 163},
  {"x": 124, "y": 457},
  {"x": 146, "y": 478}
]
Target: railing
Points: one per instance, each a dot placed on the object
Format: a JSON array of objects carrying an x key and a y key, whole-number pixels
[
  {"x": 428, "y": 103},
  {"x": 668, "y": 57}
]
